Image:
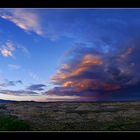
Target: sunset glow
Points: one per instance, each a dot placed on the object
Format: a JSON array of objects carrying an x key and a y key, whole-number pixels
[{"x": 56, "y": 54}]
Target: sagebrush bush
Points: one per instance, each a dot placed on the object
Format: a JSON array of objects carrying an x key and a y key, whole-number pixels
[{"x": 8, "y": 123}]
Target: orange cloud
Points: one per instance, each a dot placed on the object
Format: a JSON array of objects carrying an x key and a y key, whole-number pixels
[
  {"x": 85, "y": 64},
  {"x": 68, "y": 75},
  {"x": 86, "y": 84},
  {"x": 67, "y": 84},
  {"x": 90, "y": 60},
  {"x": 79, "y": 85}
]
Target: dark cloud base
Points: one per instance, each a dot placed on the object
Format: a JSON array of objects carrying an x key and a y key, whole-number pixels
[{"x": 104, "y": 75}]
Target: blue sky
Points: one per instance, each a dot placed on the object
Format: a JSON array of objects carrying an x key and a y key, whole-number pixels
[{"x": 65, "y": 54}]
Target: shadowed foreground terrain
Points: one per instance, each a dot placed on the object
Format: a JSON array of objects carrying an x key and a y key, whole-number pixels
[{"x": 70, "y": 116}]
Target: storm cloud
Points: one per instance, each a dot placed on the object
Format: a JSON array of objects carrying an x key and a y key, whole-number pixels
[{"x": 99, "y": 73}]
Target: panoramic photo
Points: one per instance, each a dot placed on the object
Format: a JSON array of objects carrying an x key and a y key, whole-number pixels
[{"x": 69, "y": 69}]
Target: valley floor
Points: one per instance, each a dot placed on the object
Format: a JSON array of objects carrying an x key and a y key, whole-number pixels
[{"x": 72, "y": 116}]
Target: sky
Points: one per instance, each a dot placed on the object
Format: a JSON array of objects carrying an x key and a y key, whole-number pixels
[{"x": 69, "y": 54}]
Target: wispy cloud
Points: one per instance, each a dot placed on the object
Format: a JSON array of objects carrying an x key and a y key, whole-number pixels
[
  {"x": 25, "y": 19},
  {"x": 24, "y": 50},
  {"x": 14, "y": 67},
  {"x": 8, "y": 49},
  {"x": 18, "y": 92},
  {"x": 34, "y": 76}
]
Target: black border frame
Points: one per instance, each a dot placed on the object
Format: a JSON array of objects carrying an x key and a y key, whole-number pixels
[{"x": 68, "y": 4}]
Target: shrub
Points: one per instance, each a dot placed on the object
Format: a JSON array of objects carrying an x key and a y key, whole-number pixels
[{"x": 8, "y": 123}]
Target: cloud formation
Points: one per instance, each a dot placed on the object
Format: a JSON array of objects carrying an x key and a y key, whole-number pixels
[
  {"x": 14, "y": 67},
  {"x": 25, "y": 19},
  {"x": 7, "y": 83},
  {"x": 96, "y": 73},
  {"x": 38, "y": 87},
  {"x": 8, "y": 49},
  {"x": 103, "y": 56},
  {"x": 18, "y": 92}
]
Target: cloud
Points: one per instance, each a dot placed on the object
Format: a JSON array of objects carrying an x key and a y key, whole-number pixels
[
  {"x": 6, "y": 52},
  {"x": 38, "y": 87},
  {"x": 126, "y": 54},
  {"x": 24, "y": 50},
  {"x": 13, "y": 83},
  {"x": 8, "y": 49},
  {"x": 8, "y": 83},
  {"x": 25, "y": 19},
  {"x": 14, "y": 67},
  {"x": 18, "y": 92},
  {"x": 69, "y": 71},
  {"x": 90, "y": 71},
  {"x": 34, "y": 76}
]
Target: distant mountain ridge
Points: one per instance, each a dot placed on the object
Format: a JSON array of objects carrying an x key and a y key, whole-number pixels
[{"x": 1, "y": 101}]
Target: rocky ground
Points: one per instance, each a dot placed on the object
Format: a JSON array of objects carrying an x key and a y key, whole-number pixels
[{"x": 72, "y": 116}]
